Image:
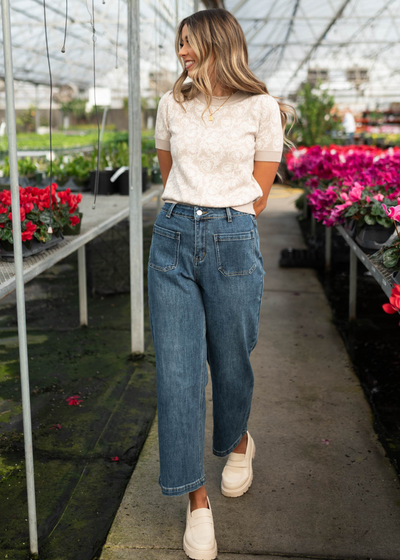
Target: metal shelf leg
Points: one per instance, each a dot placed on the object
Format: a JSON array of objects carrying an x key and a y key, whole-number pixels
[
  {"x": 83, "y": 311},
  {"x": 328, "y": 248},
  {"x": 353, "y": 286}
]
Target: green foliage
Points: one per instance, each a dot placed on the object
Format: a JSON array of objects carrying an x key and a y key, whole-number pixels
[
  {"x": 391, "y": 257},
  {"x": 26, "y": 167},
  {"x": 59, "y": 140},
  {"x": 76, "y": 107},
  {"x": 317, "y": 120},
  {"x": 26, "y": 119}
]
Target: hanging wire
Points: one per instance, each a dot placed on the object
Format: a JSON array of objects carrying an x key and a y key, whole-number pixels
[
  {"x": 49, "y": 229},
  {"x": 66, "y": 21},
  {"x": 92, "y": 22}
]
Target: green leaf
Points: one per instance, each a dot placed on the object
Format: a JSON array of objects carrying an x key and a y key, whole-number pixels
[
  {"x": 370, "y": 220},
  {"x": 7, "y": 235},
  {"x": 385, "y": 222},
  {"x": 377, "y": 210},
  {"x": 352, "y": 210},
  {"x": 390, "y": 258}
]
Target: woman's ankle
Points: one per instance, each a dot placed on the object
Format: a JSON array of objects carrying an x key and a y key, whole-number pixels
[{"x": 198, "y": 498}]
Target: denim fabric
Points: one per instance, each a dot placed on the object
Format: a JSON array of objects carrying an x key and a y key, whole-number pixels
[{"x": 205, "y": 284}]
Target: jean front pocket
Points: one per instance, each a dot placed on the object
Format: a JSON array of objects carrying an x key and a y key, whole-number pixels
[
  {"x": 164, "y": 249},
  {"x": 235, "y": 253}
]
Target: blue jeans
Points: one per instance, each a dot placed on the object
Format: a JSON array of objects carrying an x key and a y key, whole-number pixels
[{"x": 205, "y": 285}]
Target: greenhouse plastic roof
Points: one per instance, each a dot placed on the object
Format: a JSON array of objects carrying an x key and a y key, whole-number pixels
[{"x": 286, "y": 40}]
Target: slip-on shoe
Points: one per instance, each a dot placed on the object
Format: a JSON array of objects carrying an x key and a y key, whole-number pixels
[
  {"x": 237, "y": 475},
  {"x": 199, "y": 539}
]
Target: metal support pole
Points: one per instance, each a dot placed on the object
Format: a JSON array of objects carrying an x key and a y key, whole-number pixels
[
  {"x": 135, "y": 180},
  {"x": 19, "y": 275},
  {"x": 305, "y": 205},
  {"x": 37, "y": 113},
  {"x": 328, "y": 248},
  {"x": 196, "y": 5},
  {"x": 353, "y": 286},
  {"x": 313, "y": 226},
  {"x": 83, "y": 309},
  {"x": 178, "y": 65}
]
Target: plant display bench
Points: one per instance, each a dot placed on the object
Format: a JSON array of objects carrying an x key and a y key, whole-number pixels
[
  {"x": 110, "y": 210},
  {"x": 381, "y": 274}
]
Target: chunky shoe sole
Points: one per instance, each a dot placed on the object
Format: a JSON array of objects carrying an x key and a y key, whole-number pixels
[
  {"x": 200, "y": 555},
  {"x": 229, "y": 493}
]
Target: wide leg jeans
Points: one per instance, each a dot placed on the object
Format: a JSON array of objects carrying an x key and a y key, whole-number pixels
[{"x": 205, "y": 284}]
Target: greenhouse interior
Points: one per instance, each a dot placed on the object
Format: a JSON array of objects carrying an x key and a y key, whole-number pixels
[{"x": 113, "y": 175}]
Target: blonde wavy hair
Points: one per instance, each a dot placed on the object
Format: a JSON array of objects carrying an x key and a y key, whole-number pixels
[{"x": 218, "y": 31}]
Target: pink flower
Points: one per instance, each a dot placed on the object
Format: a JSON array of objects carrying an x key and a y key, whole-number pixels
[
  {"x": 368, "y": 199},
  {"x": 355, "y": 192},
  {"x": 393, "y": 213},
  {"x": 379, "y": 197}
]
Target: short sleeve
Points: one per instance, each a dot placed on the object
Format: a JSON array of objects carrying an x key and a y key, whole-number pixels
[
  {"x": 162, "y": 134},
  {"x": 269, "y": 139}
]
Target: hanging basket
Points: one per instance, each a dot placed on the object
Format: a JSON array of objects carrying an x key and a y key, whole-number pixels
[{"x": 29, "y": 248}]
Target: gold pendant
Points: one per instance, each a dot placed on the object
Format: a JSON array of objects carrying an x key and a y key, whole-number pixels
[{"x": 210, "y": 118}]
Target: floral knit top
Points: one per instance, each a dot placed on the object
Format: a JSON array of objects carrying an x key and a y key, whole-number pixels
[{"x": 213, "y": 160}]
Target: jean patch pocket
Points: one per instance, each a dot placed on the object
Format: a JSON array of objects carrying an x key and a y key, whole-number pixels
[
  {"x": 235, "y": 253},
  {"x": 164, "y": 249}
]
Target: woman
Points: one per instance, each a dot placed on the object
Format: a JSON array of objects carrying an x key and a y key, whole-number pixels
[{"x": 219, "y": 141}]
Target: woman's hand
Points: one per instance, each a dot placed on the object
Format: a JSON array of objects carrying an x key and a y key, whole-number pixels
[{"x": 264, "y": 173}]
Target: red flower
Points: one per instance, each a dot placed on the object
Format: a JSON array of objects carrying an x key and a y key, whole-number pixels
[
  {"x": 394, "y": 305},
  {"x": 74, "y": 220},
  {"x": 114, "y": 458},
  {"x": 74, "y": 400},
  {"x": 28, "y": 233},
  {"x": 22, "y": 213}
]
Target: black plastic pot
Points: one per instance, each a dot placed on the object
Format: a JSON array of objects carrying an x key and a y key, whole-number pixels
[
  {"x": 76, "y": 230},
  {"x": 29, "y": 248},
  {"x": 350, "y": 228},
  {"x": 372, "y": 238},
  {"x": 396, "y": 277},
  {"x": 105, "y": 186},
  {"x": 123, "y": 182}
]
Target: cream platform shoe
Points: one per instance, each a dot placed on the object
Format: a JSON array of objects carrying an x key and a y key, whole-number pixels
[
  {"x": 237, "y": 475},
  {"x": 199, "y": 539}
]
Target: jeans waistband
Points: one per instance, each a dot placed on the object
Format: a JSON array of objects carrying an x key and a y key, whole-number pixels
[{"x": 200, "y": 211}]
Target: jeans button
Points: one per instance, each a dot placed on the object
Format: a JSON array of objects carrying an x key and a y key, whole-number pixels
[{"x": 199, "y": 212}]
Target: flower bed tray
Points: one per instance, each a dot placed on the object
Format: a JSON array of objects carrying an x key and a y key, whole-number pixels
[
  {"x": 301, "y": 258},
  {"x": 35, "y": 248}
]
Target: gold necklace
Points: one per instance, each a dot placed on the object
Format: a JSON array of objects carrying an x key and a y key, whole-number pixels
[{"x": 210, "y": 118}]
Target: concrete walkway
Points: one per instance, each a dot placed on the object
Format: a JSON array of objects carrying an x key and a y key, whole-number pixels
[{"x": 309, "y": 499}]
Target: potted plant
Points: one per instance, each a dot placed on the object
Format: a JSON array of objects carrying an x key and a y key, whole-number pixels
[
  {"x": 36, "y": 217},
  {"x": 28, "y": 172},
  {"x": 389, "y": 255},
  {"x": 106, "y": 171},
  {"x": 67, "y": 212}
]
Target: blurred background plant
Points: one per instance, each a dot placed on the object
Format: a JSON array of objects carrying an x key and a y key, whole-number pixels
[{"x": 317, "y": 118}]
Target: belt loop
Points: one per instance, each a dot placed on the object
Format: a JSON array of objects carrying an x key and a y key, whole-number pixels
[
  {"x": 173, "y": 204},
  {"x": 228, "y": 213}
]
